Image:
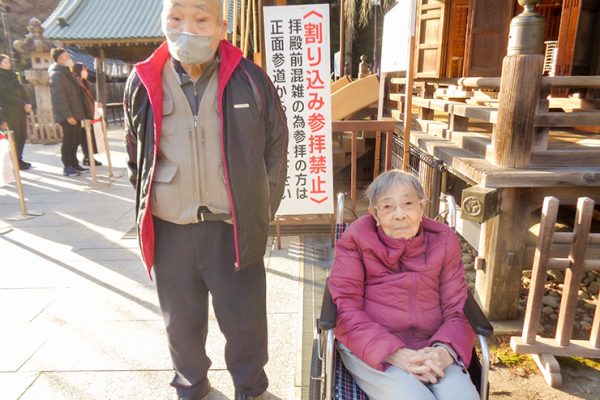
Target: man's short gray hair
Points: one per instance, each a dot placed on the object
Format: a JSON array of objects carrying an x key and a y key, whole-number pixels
[
  {"x": 386, "y": 181},
  {"x": 168, "y": 2}
]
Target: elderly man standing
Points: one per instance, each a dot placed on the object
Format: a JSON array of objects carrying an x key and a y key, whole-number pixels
[
  {"x": 14, "y": 103},
  {"x": 207, "y": 141}
]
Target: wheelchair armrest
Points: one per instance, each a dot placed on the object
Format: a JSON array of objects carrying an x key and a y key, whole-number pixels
[
  {"x": 477, "y": 318},
  {"x": 328, "y": 311}
]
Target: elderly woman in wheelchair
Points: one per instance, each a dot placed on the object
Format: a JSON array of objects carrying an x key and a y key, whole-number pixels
[{"x": 399, "y": 286}]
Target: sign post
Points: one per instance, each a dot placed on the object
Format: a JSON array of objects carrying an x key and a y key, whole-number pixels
[
  {"x": 298, "y": 62},
  {"x": 17, "y": 175},
  {"x": 88, "y": 137}
]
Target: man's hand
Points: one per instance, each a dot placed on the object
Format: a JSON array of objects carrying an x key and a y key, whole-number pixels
[
  {"x": 28, "y": 108},
  {"x": 72, "y": 121}
]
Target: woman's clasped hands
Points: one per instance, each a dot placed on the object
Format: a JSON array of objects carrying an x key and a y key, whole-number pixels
[{"x": 427, "y": 364}]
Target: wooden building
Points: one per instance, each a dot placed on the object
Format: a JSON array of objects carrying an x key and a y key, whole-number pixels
[
  {"x": 128, "y": 30},
  {"x": 507, "y": 135},
  {"x": 469, "y": 37}
]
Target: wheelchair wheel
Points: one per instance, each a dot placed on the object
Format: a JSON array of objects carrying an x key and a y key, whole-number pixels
[{"x": 316, "y": 368}]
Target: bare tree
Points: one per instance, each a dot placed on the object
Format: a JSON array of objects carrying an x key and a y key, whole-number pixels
[{"x": 359, "y": 11}]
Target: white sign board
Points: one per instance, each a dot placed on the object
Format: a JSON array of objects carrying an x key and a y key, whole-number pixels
[
  {"x": 6, "y": 169},
  {"x": 298, "y": 63},
  {"x": 398, "y": 27}
]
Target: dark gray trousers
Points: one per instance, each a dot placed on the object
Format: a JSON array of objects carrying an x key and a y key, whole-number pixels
[
  {"x": 70, "y": 141},
  {"x": 189, "y": 262}
]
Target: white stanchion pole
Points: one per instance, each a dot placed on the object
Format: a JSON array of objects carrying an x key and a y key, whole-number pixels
[
  {"x": 88, "y": 135},
  {"x": 107, "y": 145},
  {"x": 20, "y": 192}
]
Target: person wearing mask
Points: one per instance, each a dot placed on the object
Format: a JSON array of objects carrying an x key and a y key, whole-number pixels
[
  {"x": 206, "y": 145},
  {"x": 81, "y": 76},
  {"x": 15, "y": 104},
  {"x": 68, "y": 107}
]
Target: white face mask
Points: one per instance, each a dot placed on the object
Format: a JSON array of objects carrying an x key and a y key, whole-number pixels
[{"x": 188, "y": 48}]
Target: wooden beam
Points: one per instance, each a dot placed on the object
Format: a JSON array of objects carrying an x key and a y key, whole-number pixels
[
  {"x": 562, "y": 264},
  {"x": 540, "y": 265},
  {"x": 558, "y": 254},
  {"x": 549, "y": 367},
  {"x": 406, "y": 121},
  {"x": 234, "y": 31},
  {"x": 576, "y": 348},
  {"x": 100, "y": 79},
  {"x": 559, "y": 119},
  {"x": 494, "y": 82},
  {"x": 572, "y": 103},
  {"x": 481, "y": 113},
  {"x": 568, "y": 157},
  {"x": 568, "y": 237},
  {"x": 572, "y": 81},
  {"x": 566, "y": 315},
  {"x": 363, "y": 125}
]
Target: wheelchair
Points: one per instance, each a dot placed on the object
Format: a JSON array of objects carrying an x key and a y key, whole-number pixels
[{"x": 329, "y": 378}]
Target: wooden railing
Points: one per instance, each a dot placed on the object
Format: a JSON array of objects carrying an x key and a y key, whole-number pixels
[
  {"x": 42, "y": 129},
  {"x": 542, "y": 349},
  {"x": 379, "y": 126},
  {"x": 462, "y": 116}
]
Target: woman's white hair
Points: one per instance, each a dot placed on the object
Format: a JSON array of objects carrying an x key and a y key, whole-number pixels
[{"x": 386, "y": 181}]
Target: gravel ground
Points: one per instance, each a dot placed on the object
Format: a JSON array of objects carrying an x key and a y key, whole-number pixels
[{"x": 515, "y": 376}]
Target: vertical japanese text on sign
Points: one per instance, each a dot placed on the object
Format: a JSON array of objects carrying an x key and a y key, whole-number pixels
[{"x": 298, "y": 63}]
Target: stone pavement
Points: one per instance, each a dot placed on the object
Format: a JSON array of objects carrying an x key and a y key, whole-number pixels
[{"x": 80, "y": 317}]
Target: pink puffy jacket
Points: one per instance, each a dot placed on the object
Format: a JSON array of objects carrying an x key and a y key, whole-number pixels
[{"x": 395, "y": 293}]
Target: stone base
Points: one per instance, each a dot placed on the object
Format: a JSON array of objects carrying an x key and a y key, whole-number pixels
[{"x": 41, "y": 129}]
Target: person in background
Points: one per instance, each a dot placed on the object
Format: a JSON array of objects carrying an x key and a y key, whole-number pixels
[
  {"x": 69, "y": 109},
  {"x": 398, "y": 283},
  {"x": 15, "y": 104},
  {"x": 81, "y": 76}
]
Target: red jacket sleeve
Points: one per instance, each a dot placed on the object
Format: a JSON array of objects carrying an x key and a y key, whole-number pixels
[
  {"x": 455, "y": 330},
  {"x": 367, "y": 339}
]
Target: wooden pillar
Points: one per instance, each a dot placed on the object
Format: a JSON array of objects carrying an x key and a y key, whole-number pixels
[
  {"x": 519, "y": 96},
  {"x": 342, "y": 37},
  {"x": 540, "y": 135},
  {"x": 427, "y": 92},
  {"x": 100, "y": 79},
  {"x": 499, "y": 283}
]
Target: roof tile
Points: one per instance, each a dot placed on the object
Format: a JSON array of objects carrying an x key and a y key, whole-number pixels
[{"x": 105, "y": 20}]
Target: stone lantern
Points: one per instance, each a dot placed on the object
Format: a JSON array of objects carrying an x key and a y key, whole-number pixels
[{"x": 41, "y": 126}]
